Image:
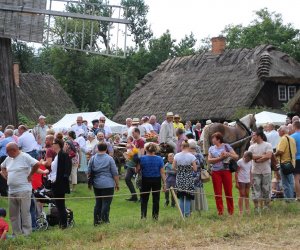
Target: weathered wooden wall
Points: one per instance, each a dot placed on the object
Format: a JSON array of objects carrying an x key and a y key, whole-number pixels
[
  {"x": 22, "y": 26},
  {"x": 8, "y": 103}
]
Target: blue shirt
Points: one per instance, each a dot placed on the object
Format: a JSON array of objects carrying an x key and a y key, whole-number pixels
[
  {"x": 151, "y": 165},
  {"x": 296, "y": 136},
  {"x": 103, "y": 169},
  {"x": 3, "y": 144}
]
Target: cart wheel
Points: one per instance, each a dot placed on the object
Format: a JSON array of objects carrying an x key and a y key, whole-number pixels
[
  {"x": 42, "y": 224},
  {"x": 71, "y": 223}
]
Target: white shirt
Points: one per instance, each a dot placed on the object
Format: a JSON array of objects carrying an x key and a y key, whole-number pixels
[
  {"x": 18, "y": 170},
  {"x": 82, "y": 143},
  {"x": 244, "y": 171},
  {"x": 40, "y": 132},
  {"x": 27, "y": 142},
  {"x": 107, "y": 130},
  {"x": 76, "y": 128},
  {"x": 260, "y": 149},
  {"x": 148, "y": 127},
  {"x": 53, "y": 173},
  {"x": 273, "y": 138}
]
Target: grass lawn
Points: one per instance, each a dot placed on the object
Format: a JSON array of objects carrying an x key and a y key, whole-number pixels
[{"x": 275, "y": 229}]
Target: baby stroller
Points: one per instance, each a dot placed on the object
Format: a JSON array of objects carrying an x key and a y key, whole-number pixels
[{"x": 51, "y": 218}]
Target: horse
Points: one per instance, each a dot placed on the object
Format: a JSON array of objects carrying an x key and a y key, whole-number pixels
[{"x": 238, "y": 136}]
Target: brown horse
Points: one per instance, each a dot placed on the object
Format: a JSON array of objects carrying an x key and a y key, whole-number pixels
[{"x": 238, "y": 136}]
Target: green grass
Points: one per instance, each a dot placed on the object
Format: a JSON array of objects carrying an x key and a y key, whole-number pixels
[{"x": 127, "y": 231}]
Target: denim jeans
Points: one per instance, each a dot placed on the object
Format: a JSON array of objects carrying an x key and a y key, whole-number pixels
[
  {"x": 33, "y": 212},
  {"x": 34, "y": 154},
  {"x": 288, "y": 185},
  {"x": 185, "y": 206},
  {"x": 102, "y": 206}
]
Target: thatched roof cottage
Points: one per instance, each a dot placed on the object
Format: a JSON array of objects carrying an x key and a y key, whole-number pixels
[
  {"x": 215, "y": 84},
  {"x": 41, "y": 94}
]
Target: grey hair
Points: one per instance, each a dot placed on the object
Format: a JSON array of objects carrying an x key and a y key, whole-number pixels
[
  {"x": 284, "y": 128},
  {"x": 9, "y": 132}
]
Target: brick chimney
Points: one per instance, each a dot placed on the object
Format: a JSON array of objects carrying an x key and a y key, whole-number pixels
[
  {"x": 16, "y": 71},
  {"x": 218, "y": 45}
]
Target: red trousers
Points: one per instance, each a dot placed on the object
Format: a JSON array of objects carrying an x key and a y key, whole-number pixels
[{"x": 219, "y": 179}]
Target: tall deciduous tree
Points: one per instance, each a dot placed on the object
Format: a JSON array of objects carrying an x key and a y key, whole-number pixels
[
  {"x": 136, "y": 12},
  {"x": 267, "y": 28}
]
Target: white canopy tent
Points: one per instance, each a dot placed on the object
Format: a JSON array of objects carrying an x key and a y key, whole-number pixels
[
  {"x": 70, "y": 119},
  {"x": 269, "y": 117}
]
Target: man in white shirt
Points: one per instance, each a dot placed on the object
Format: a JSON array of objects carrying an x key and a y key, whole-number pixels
[
  {"x": 261, "y": 170},
  {"x": 27, "y": 142},
  {"x": 272, "y": 136},
  {"x": 148, "y": 127},
  {"x": 18, "y": 168},
  {"x": 167, "y": 132},
  {"x": 80, "y": 125},
  {"x": 107, "y": 129},
  {"x": 40, "y": 131},
  {"x": 126, "y": 129}
]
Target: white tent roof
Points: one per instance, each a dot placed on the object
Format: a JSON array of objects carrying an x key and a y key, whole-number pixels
[
  {"x": 70, "y": 119},
  {"x": 269, "y": 117}
]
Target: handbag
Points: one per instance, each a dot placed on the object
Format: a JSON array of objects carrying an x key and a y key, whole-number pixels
[
  {"x": 232, "y": 164},
  {"x": 92, "y": 175},
  {"x": 287, "y": 167},
  {"x": 204, "y": 175},
  {"x": 138, "y": 181}
]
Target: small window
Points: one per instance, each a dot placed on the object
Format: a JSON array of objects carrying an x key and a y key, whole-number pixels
[
  {"x": 291, "y": 91},
  {"x": 282, "y": 93}
]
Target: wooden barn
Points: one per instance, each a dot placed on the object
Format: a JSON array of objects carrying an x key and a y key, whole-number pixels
[{"x": 215, "y": 84}]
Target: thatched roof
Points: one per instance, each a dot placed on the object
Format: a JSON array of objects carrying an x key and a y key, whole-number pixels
[
  {"x": 40, "y": 94},
  {"x": 208, "y": 85},
  {"x": 294, "y": 104}
]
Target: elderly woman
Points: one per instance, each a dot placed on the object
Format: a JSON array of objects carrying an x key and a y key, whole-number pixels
[
  {"x": 200, "y": 201},
  {"x": 151, "y": 167},
  {"x": 218, "y": 156},
  {"x": 105, "y": 179},
  {"x": 59, "y": 177},
  {"x": 185, "y": 164}
]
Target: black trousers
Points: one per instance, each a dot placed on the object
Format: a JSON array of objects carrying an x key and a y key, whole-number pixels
[
  {"x": 102, "y": 206},
  {"x": 150, "y": 184},
  {"x": 61, "y": 207},
  {"x": 129, "y": 174}
]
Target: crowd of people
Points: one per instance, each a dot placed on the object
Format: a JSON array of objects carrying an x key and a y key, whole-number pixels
[{"x": 31, "y": 159}]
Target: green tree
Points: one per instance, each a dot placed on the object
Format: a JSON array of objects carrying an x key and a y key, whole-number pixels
[
  {"x": 266, "y": 28},
  {"x": 24, "y": 55},
  {"x": 186, "y": 46},
  {"x": 136, "y": 12}
]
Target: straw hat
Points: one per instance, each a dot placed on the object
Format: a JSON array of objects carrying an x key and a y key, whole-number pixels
[
  {"x": 135, "y": 121},
  {"x": 177, "y": 116},
  {"x": 208, "y": 122},
  {"x": 170, "y": 114}
]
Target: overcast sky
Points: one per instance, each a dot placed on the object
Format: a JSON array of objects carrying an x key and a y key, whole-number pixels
[{"x": 208, "y": 18}]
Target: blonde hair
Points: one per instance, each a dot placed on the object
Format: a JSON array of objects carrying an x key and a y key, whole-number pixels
[{"x": 151, "y": 147}]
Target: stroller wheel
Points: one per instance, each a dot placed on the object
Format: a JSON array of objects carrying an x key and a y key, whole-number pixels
[
  {"x": 71, "y": 223},
  {"x": 42, "y": 224}
]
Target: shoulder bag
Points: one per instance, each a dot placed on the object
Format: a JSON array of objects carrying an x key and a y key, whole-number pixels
[
  {"x": 287, "y": 167},
  {"x": 231, "y": 163}
]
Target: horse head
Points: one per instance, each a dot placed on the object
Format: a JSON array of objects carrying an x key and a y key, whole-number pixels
[{"x": 253, "y": 122}]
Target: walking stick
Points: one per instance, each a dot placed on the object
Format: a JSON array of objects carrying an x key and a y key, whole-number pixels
[{"x": 176, "y": 202}]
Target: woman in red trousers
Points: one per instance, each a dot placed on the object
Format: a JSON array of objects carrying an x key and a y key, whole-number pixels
[{"x": 218, "y": 155}]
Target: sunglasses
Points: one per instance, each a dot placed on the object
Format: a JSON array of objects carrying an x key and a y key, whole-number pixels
[{"x": 102, "y": 120}]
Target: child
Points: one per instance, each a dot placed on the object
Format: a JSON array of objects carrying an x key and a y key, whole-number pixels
[
  {"x": 129, "y": 144},
  {"x": 243, "y": 179},
  {"x": 3, "y": 224},
  {"x": 170, "y": 179}
]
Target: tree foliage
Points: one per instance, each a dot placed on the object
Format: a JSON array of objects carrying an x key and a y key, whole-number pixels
[{"x": 267, "y": 28}]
